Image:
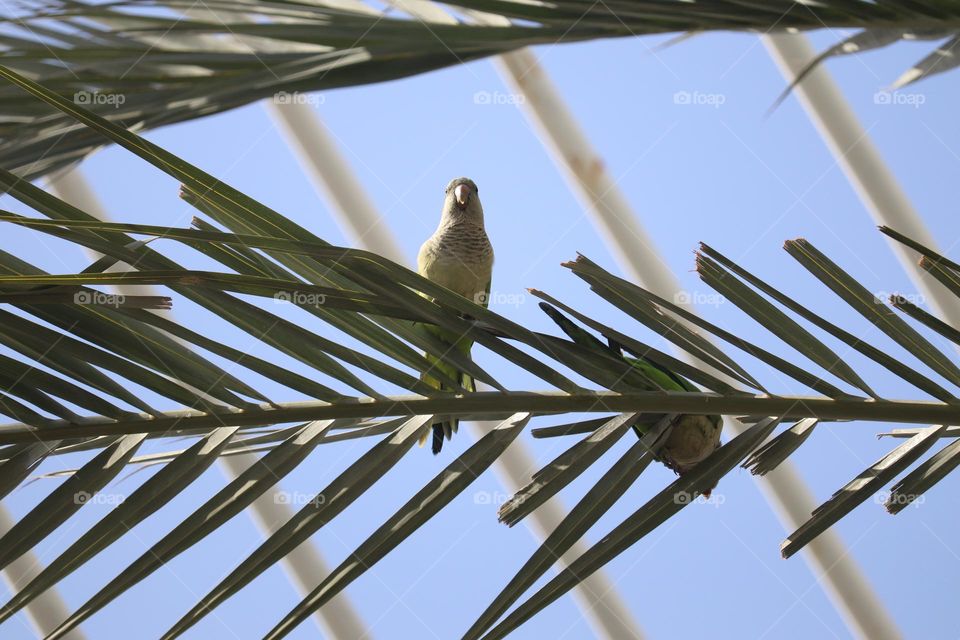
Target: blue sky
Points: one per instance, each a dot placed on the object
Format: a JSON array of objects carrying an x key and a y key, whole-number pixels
[{"x": 720, "y": 173}]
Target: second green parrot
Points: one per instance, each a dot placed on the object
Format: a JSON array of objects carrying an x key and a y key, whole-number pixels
[{"x": 693, "y": 437}]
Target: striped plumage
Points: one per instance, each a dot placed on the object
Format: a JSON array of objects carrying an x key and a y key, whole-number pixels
[{"x": 459, "y": 257}]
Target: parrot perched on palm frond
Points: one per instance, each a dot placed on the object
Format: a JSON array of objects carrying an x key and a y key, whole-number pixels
[
  {"x": 693, "y": 437},
  {"x": 459, "y": 257}
]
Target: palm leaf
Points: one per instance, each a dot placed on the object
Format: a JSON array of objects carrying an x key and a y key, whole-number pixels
[
  {"x": 147, "y": 499},
  {"x": 932, "y": 471},
  {"x": 148, "y": 63},
  {"x": 319, "y": 510},
  {"x": 861, "y": 488},
  {"x": 384, "y": 307},
  {"x": 567, "y": 466},
  {"x": 768, "y": 457},
  {"x": 647, "y": 518},
  {"x": 68, "y": 498},
  {"x": 588, "y": 510},
  {"x": 427, "y": 502},
  {"x": 228, "y": 502}
]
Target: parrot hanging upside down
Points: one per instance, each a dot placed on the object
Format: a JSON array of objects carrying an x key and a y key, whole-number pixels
[
  {"x": 693, "y": 437},
  {"x": 459, "y": 257}
]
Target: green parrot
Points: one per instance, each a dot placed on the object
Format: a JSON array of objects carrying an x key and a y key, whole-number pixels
[
  {"x": 693, "y": 437},
  {"x": 459, "y": 257}
]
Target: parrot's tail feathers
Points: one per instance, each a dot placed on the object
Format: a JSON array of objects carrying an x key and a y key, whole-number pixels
[
  {"x": 437, "y": 437},
  {"x": 442, "y": 430}
]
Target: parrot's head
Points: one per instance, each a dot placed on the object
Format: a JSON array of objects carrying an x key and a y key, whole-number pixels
[{"x": 462, "y": 200}]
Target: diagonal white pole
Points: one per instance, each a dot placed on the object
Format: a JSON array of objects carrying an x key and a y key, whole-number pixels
[
  {"x": 786, "y": 491},
  {"x": 331, "y": 175},
  {"x": 321, "y": 159},
  {"x": 48, "y": 610},
  {"x": 304, "y": 566},
  {"x": 855, "y": 153}
]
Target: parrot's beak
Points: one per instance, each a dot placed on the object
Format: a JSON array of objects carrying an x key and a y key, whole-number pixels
[{"x": 461, "y": 193}]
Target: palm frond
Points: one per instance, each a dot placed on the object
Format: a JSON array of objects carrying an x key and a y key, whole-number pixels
[
  {"x": 939, "y": 61},
  {"x": 770, "y": 455},
  {"x": 596, "y": 502},
  {"x": 64, "y": 403},
  {"x": 426, "y": 503},
  {"x": 565, "y": 468},
  {"x": 228, "y": 502},
  {"x": 148, "y": 63},
  {"x": 861, "y": 488},
  {"x": 148, "y": 498},
  {"x": 647, "y": 518}
]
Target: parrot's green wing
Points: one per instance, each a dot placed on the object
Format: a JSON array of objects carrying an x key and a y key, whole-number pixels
[
  {"x": 666, "y": 379},
  {"x": 660, "y": 378},
  {"x": 694, "y": 436}
]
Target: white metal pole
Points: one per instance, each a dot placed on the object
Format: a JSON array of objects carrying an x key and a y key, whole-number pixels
[
  {"x": 48, "y": 609},
  {"x": 602, "y": 605},
  {"x": 855, "y": 153},
  {"x": 786, "y": 491},
  {"x": 600, "y": 602},
  {"x": 304, "y": 566},
  {"x": 332, "y": 176}
]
